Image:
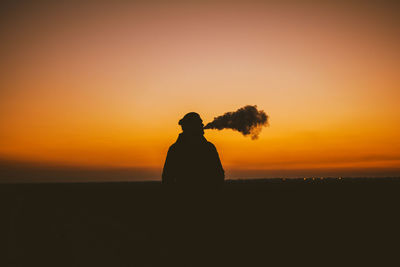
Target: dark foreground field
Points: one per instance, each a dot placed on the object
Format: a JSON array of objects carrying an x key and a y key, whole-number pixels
[{"x": 330, "y": 222}]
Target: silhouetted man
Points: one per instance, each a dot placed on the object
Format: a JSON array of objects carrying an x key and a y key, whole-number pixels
[{"x": 192, "y": 160}]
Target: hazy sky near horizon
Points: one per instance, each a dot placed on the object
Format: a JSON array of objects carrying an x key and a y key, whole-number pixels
[{"x": 104, "y": 84}]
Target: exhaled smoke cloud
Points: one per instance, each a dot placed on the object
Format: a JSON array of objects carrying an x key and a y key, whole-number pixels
[{"x": 247, "y": 120}]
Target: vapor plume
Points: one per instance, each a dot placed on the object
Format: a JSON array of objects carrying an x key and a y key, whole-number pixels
[{"x": 247, "y": 120}]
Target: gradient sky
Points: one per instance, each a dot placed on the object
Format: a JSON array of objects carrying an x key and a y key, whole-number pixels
[{"x": 104, "y": 85}]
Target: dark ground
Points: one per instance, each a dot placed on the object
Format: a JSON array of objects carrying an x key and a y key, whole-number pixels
[{"x": 330, "y": 222}]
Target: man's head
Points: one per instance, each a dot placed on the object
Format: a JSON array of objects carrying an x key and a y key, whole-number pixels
[{"x": 191, "y": 123}]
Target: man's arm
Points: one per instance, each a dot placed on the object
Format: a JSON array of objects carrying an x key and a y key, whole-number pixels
[
  {"x": 219, "y": 171},
  {"x": 169, "y": 167}
]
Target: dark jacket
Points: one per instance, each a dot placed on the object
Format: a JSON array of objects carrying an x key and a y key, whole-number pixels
[{"x": 192, "y": 160}]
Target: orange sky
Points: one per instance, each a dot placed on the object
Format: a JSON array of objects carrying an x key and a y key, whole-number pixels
[{"x": 105, "y": 85}]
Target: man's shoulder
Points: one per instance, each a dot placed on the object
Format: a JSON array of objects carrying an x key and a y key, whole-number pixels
[
  {"x": 172, "y": 147},
  {"x": 175, "y": 147},
  {"x": 211, "y": 145}
]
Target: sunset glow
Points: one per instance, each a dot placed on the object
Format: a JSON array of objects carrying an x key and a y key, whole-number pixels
[{"x": 105, "y": 85}]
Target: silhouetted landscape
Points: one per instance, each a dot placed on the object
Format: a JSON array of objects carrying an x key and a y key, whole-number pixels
[
  {"x": 330, "y": 221},
  {"x": 199, "y": 133}
]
